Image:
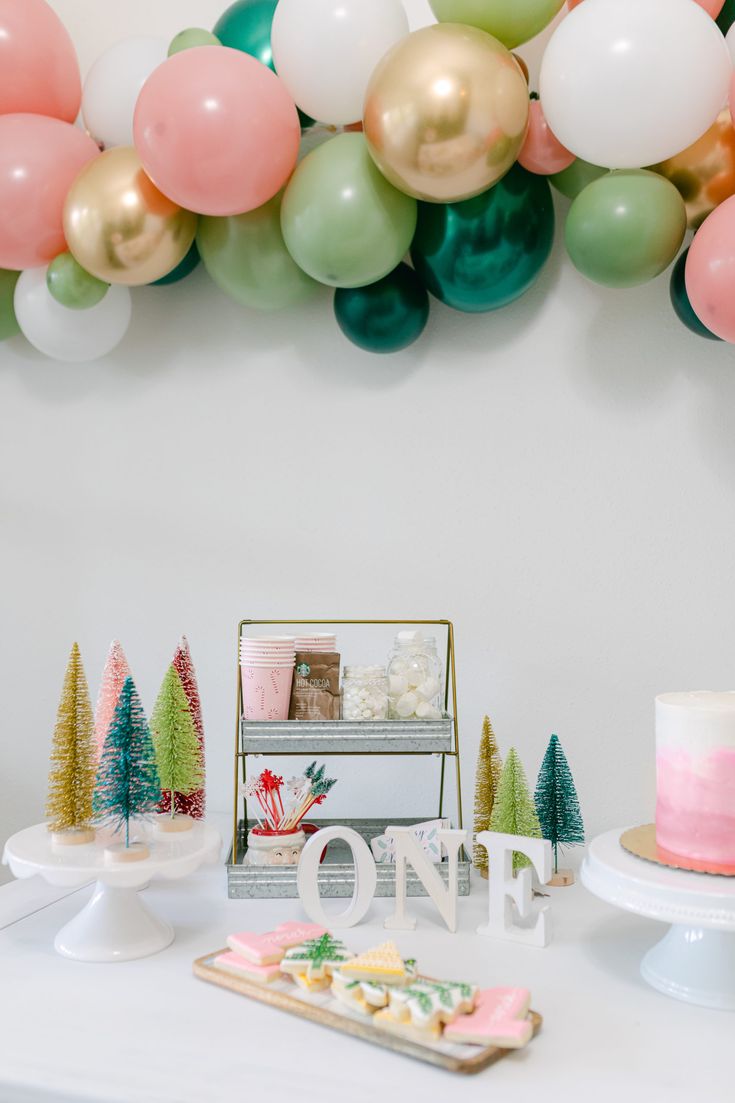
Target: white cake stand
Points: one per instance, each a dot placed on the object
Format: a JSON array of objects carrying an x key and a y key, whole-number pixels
[
  {"x": 695, "y": 960},
  {"x": 115, "y": 925}
]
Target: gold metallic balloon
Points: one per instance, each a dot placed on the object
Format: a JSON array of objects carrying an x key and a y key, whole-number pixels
[
  {"x": 704, "y": 173},
  {"x": 119, "y": 226},
  {"x": 446, "y": 112}
]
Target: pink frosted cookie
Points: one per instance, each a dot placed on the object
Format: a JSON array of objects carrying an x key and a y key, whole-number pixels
[
  {"x": 499, "y": 1019},
  {"x": 269, "y": 948},
  {"x": 239, "y": 966}
]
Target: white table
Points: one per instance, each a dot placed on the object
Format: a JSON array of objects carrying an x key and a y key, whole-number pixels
[{"x": 148, "y": 1032}]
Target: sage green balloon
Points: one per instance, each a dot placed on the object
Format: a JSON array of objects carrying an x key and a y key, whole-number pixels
[
  {"x": 571, "y": 180},
  {"x": 190, "y": 38},
  {"x": 343, "y": 223},
  {"x": 625, "y": 228},
  {"x": 510, "y": 21},
  {"x": 8, "y": 322},
  {"x": 72, "y": 286},
  {"x": 246, "y": 257}
]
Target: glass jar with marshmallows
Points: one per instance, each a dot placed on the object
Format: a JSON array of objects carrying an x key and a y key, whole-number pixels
[{"x": 414, "y": 678}]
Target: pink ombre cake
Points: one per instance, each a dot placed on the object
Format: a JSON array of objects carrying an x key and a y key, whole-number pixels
[{"x": 695, "y": 770}]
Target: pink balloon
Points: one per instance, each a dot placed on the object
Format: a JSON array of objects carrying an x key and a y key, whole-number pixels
[
  {"x": 542, "y": 152},
  {"x": 216, "y": 130},
  {"x": 712, "y": 7},
  {"x": 39, "y": 161},
  {"x": 710, "y": 271},
  {"x": 38, "y": 65}
]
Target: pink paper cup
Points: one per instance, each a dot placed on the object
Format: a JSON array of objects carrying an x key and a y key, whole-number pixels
[{"x": 266, "y": 691}]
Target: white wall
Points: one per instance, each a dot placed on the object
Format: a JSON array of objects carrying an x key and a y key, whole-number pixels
[{"x": 557, "y": 478}]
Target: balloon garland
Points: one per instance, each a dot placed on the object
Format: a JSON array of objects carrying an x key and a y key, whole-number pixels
[{"x": 428, "y": 145}]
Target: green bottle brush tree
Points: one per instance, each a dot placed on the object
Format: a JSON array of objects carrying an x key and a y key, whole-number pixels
[
  {"x": 177, "y": 748},
  {"x": 557, "y": 806}
]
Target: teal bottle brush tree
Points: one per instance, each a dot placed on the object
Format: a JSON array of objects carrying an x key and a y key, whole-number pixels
[
  {"x": 178, "y": 752},
  {"x": 514, "y": 812},
  {"x": 127, "y": 778},
  {"x": 558, "y": 807}
]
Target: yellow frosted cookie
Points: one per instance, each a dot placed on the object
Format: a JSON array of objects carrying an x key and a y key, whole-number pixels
[
  {"x": 312, "y": 984},
  {"x": 427, "y": 1033},
  {"x": 383, "y": 964}
]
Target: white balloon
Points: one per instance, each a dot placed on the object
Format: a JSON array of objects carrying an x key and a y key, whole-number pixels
[
  {"x": 113, "y": 85},
  {"x": 628, "y": 83},
  {"x": 325, "y": 51},
  {"x": 730, "y": 40},
  {"x": 72, "y": 335}
]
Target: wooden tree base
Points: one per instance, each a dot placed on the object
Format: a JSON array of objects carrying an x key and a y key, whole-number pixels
[
  {"x": 118, "y": 852},
  {"x": 174, "y": 824},
  {"x": 561, "y": 878},
  {"x": 74, "y": 836}
]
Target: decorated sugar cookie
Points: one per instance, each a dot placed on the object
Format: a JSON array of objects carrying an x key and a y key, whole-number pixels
[
  {"x": 315, "y": 959},
  {"x": 383, "y": 963},
  {"x": 239, "y": 966},
  {"x": 268, "y": 948},
  {"x": 499, "y": 1019},
  {"x": 366, "y": 996},
  {"x": 422, "y": 1006}
]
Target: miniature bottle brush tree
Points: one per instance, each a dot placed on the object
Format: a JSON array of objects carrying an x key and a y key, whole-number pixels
[
  {"x": 177, "y": 748},
  {"x": 193, "y": 803},
  {"x": 71, "y": 780},
  {"x": 115, "y": 672},
  {"x": 514, "y": 812},
  {"x": 487, "y": 778},
  {"x": 127, "y": 778},
  {"x": 557, "y": 804}
]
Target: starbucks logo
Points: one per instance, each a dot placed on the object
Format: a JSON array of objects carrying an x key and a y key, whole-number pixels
[{"x": 303, "y": 670}]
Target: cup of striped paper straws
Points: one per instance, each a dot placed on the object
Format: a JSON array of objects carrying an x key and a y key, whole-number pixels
[{"x": 279, "y": 808}]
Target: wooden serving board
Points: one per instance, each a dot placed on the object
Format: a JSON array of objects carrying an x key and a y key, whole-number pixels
[{"x": 323, "y": 1008}]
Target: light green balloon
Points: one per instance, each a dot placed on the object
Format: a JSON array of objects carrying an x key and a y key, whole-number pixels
[
  {"x": 342, "y": 221},
  {"x": 511, "y": 21},
  {"x": 246, "y": 257},
  {"x": 72, "y": 286},
  {"x": 191, "y": 37},
  {"x": 8, "y": 322},
  {"x": 625, "y": 228},
  {"x": 570, "y": 181}
]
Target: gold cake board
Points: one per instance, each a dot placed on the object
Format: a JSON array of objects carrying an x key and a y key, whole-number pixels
[
  {"x": 321, "y": 1008},
  {"x": 641, "y": 842}
]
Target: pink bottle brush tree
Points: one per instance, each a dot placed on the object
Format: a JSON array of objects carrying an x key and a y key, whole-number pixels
[{"x": 114, "y": 676}]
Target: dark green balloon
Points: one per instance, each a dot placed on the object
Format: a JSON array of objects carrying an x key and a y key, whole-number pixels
[
  {"x": 483, "y": 253},
  {"x": 182, "y": 269},
  {"x": 385, "y": 316},
  {"x": 8, "y": 322},
  {"x": 246, "y": 26},
  {"x": 680, "y": 301},
  {"x": 726, "y": 18}
]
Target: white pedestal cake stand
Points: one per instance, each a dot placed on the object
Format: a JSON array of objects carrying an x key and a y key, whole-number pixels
[
  {"x": 695, "y": 960},
  {"x": 115, "y": 925}
]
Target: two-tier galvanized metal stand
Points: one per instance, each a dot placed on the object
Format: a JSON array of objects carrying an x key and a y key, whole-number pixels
[{"x": 341, "y": 737}]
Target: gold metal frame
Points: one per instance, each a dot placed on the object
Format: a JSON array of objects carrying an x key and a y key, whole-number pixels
[{"x": 451, "y": 678}]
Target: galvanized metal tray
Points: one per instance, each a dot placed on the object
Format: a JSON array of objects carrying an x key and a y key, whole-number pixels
[
  {"x": 321, "y": 737},
  {"x": 336, "y": 873}
]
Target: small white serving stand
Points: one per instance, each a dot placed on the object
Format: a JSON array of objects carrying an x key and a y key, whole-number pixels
[
  {"x": 695, "y": 960},
  {"x": 115, "y": 924}
]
